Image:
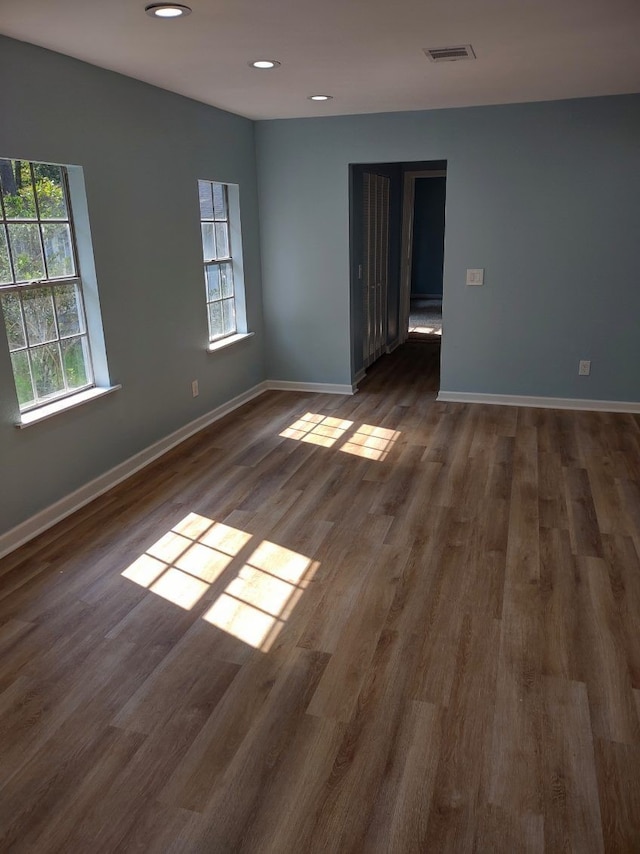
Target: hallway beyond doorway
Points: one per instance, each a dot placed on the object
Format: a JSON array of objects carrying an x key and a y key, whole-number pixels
[{"x": 425, "y": 318}]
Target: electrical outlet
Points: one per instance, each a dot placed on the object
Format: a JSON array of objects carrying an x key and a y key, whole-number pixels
[
  {"x": 194, "y": 388},
  {"x": 584, "y": 367}
]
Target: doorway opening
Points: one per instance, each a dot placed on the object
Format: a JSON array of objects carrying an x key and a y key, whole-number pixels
[
  {"x": 397, "y": 254},
  {"x": 423, "y": 258}
]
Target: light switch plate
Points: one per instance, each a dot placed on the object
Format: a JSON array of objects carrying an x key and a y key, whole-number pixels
[{"x": 475, "y": 277}]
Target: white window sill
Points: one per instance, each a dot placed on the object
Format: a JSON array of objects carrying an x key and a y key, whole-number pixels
[
  {"x": 227, "y": 342},
  {"x": 35, "y": 416}
]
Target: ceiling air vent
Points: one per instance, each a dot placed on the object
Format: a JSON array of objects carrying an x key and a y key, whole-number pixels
[{"x": 450, "y": 54}]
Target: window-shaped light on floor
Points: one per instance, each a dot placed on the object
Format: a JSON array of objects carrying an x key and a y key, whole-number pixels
[
  {"x": 367, "y": 440},
  {"x": 259, "y": 600},
  {"x": 182, "y": 565},
  {"x": 317, "y": 429},
  {"x": 259, "y": 586},
  {"x": 373, "y": 443}
]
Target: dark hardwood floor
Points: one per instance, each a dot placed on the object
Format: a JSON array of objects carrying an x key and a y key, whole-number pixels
[{"x": 337, "y": 624}]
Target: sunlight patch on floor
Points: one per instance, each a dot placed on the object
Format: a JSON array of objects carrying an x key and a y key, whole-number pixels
[
  {"x": 373, "y": 443},
  {"x": 367, "y": 440},
  {"x": 256, "y": 602},
  {"x": 317, "y": 429},
  {"x": 426, "y": 330}
]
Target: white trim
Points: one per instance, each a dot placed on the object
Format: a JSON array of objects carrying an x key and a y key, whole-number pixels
[
  {"x": 393, "y": 346},
  {"x": 58, "y": 511},
  {"x": 55, "y": 513},
  {"x": 359, "y": 377},
  {"x": 317, "y": 388},
  {"x": 540, "y": 402},
  {"x": 221, "y": 343},
  {"x": 35, "y": 416}
]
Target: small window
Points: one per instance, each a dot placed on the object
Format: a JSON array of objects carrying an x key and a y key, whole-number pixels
[
  {"x": 40, "y": 284},
  {"x": 217, "y": 253}
]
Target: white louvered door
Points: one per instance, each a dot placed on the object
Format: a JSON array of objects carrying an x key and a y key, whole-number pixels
[{"x": 376, "y": 265}]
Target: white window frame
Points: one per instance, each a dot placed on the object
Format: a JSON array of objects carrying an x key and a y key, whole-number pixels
[
  {"x": 227, "y": 263},
  {"x": 84, "y": 278}
]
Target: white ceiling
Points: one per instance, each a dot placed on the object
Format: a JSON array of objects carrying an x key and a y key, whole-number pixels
[{"x": 366, "y": 53}]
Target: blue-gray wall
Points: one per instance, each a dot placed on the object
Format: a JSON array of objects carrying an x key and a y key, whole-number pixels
[
  {"x": 142, "y": 150},
  {"x": 427, "y": 258},
  {"x": 543, "y": 196}
]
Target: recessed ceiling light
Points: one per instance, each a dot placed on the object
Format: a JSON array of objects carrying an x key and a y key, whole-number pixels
[
  {"x": 265, "y": 63},
  {"x": 320, "y": 97},
  {"x": 167, "y": 10}
]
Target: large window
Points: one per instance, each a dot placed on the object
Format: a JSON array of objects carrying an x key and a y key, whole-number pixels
[
  {"x": 218, "y": 262},
  {"x": 40, "y": 286}
]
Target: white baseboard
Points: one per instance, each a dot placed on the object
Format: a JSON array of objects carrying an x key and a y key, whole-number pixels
[
  {"x": 55, "y": 513},
  {"x": 58, "y": 511},
  {"x": 359, "y": 377},
  {"x": 393, "y": 346},
  {"x": 316, "y": 388},
  {"x": 540, "y": 402}
]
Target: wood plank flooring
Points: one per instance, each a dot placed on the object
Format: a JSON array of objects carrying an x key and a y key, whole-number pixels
[{"x": 375, "y": 623}]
